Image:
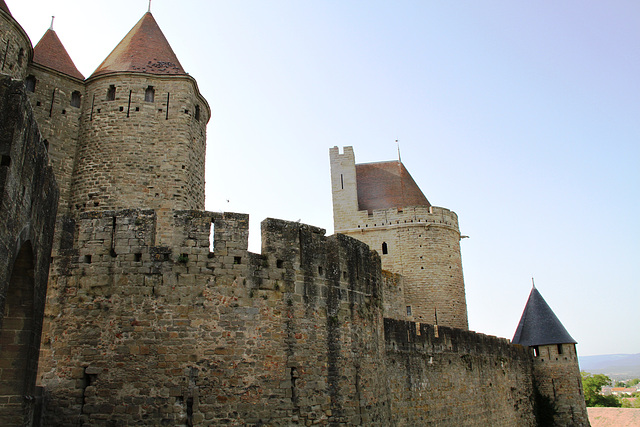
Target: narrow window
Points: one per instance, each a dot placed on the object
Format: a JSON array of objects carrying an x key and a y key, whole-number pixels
[
  {"x": 149, "y": 94},
  {"x": 237, "y": 260},
  {"x": 212, "y": 236},
  {"x": 111, "y": 93},
  {"x": 408, "y": 310},
  {"x": 536, "y": 351},
  {"x": 559, "y": 348},
  {"x": 385, "y": 249},
  {"x": 341, "y": 181},
  {"x": 76, "y": 98},
  {"x": 30, "y": 83},
  {"x": 20, "y": 56},
  {"x": 197, "y": 115}
]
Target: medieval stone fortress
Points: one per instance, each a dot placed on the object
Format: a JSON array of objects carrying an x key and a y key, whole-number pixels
[{"x": 125, "y": 303}]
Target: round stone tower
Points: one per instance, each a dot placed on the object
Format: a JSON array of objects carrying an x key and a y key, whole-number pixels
[
  {"x": 556, "y": 374},
  {"x": 15, "y": 46},
  {"x": 142, "y": 132},
  {"x": 381, "y": 205}
]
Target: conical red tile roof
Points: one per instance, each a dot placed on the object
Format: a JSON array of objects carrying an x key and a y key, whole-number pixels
[
  {"x": 4, "y": 7},
  {"x": 386, "y": 185},
  {"x": 144, "y": 49},
  {"x": 51, "y": 53}
]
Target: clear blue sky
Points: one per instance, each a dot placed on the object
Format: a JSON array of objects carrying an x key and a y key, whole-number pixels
[{"x": 523, "y": 117}]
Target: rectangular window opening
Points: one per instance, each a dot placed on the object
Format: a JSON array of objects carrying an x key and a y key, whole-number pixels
[
  {"x": 408, "y": 310},
  {"x": 237, "y": 260},
  {"x": 212, "y": 236},
  {"x": 536, "y": 351},
  {"x": 87, "y": 259},
  {"x": 279, "y": 263},
  {"x": 559, "y": 348}
]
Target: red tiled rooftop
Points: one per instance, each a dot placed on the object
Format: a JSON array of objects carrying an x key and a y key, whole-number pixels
[
  {"x": 144, "y": 49},
  {"x": 386, "y": 185},
  {"x": 51, "y": 53}
]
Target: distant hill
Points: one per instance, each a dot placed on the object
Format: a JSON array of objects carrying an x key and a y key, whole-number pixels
[{"x": 615, "y": 366}]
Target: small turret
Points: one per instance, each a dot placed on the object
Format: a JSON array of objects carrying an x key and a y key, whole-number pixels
[{"x": 556, "y": 372}]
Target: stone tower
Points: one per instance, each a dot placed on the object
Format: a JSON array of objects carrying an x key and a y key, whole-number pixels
[
  {"x": 381, "y": 205},
  {"x": 142, "y": 130},
  {"x": 555, "y": 365},
  {"x": 16, "y": 51},
  {"x": 56, "y": 91}
]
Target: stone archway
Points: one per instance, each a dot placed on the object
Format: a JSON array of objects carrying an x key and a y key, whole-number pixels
[{"x": 17, "y": 339}]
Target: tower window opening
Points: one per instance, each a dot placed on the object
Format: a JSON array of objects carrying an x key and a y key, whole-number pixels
[
  {"x": 76, "y": 99},
  {"x": 212, "y": 236},
  {"x": 408, "y": 310},
  {"x": 149, "y": 94},
  {"x": 111, "y": 93},
  {"x": 342, "y": 181},
  {"x": 197, "y": 113},
  {"x": 536, "y": 351},
  {"x": 30, "y": 83},
  {"x": 559, "y": 348},
  {"x": 20, "y": 56},
  {"x": 385, "y": 248}
]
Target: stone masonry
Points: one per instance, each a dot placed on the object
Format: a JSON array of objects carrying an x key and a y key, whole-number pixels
[{"x": 156, "y": 312}]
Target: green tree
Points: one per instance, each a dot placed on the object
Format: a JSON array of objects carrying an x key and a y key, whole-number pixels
[
  {"x": 633, "y": 382},
  {"x": 592, "y": 385}
]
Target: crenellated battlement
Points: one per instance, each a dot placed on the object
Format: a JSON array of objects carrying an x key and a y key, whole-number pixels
[
  {"x": 405, "y": 217},
  {"x": 294, "y": 256}
]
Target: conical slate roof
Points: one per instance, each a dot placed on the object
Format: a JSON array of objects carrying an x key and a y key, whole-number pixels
[
  {"x": 51, "y": 53},
  {"x": 386, "y": 185},
  {"x": 539, "y": 325},
  {"x": 4, "y": 7},
  {"x": 144, "y": 49}
]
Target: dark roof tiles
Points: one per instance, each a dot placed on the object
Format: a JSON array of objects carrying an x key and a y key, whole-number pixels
[
  {"x": 144, "y": 49},
  {"x": 386, "y": 185},
  {"x": 51, "y": 53},
  {"x": 4, "y": 7},
  {"x": 539, "y": 325}
]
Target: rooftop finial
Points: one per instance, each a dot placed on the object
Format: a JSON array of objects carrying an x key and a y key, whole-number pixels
[
  {"x": 398, "y": 144},
  {"x": 533, "y": 283},
  {"x": 51, "y": 26},
  {"x": 149, "y": 11}
]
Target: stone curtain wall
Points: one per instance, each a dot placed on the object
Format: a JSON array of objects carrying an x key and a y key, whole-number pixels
[
  {"x": 28, "y": 203},
  {"x": 449, "y": 377},
  {"x": 139, "y": 333}
]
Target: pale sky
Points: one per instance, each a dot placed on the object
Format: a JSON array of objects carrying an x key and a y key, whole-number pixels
[{"x": 522, "y": 117}]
